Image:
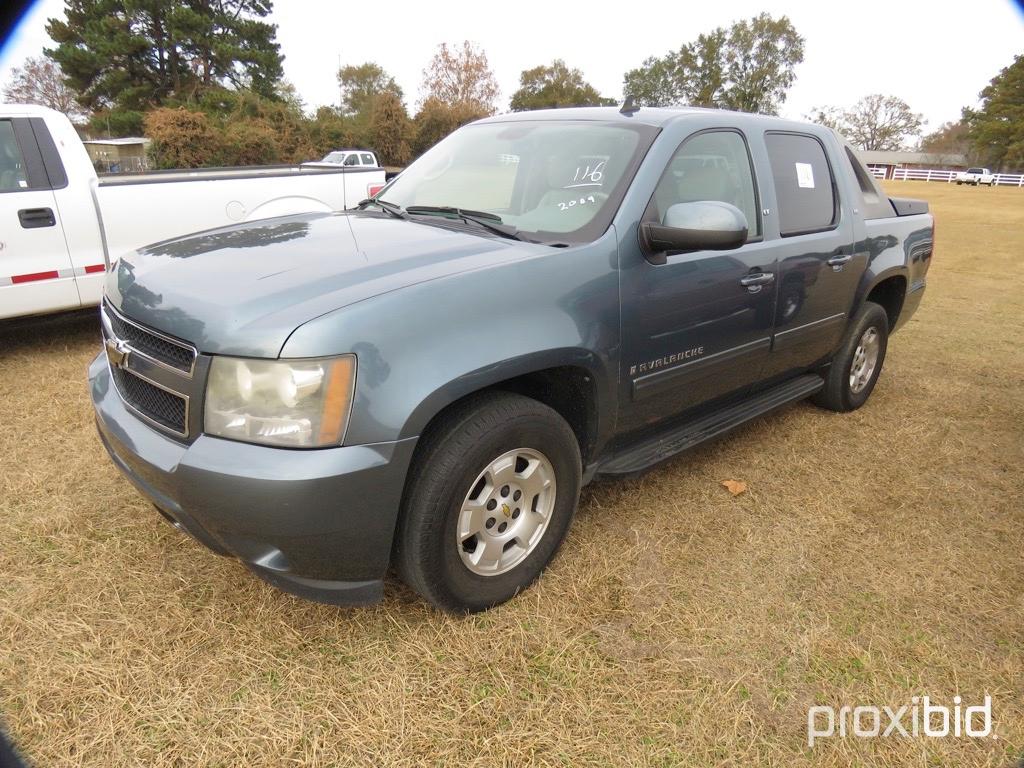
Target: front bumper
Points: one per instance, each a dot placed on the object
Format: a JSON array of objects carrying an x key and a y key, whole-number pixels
[{"x": 316, "y": 523}]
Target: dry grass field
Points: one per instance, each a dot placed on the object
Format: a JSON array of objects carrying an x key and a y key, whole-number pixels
[{"x": 874, "y": 557}]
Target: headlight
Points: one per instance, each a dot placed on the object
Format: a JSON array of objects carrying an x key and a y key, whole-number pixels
[{"x": 294, "y": 403}]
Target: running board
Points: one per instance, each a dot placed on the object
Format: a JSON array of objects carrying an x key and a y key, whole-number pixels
[{"x": 664, "y": 446}]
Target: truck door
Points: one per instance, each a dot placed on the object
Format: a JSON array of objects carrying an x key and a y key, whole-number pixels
[
  {"x": 818, "y": 271},
  {"x": 696, "y": 326},
  {"x": 35, "y": 267}
]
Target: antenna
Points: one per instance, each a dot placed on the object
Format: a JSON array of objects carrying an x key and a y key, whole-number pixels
[{"x": 628, "y": 107}]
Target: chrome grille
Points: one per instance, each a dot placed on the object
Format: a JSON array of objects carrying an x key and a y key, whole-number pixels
[
  {"x": 159, "y": 405},
  {"x": 161, "y": 348},
  {"x": 151, "y": 372}
]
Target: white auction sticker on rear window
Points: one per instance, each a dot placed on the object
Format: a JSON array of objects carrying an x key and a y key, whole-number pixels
[{"x": 804, "y": 175}]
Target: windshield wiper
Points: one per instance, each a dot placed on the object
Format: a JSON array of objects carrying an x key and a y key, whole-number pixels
[
  {"x": 389, "y": 208},
  {"x": 488, "y": 221}
]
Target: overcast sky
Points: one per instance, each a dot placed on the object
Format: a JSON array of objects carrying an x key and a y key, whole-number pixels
[{"x": 936, "y": 56}]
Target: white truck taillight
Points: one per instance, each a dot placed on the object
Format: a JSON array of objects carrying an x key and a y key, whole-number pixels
[{"x": 373, "y": 189}]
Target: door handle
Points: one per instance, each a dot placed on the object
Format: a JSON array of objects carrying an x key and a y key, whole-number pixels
[
  {"x": 31, "y": 218},
  {"x": 839, "y": 261},
  {"x": 756, "y": 280}
]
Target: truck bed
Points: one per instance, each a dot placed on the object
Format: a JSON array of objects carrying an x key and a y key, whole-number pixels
[
  {"x": 63, "y": 225},
  {"x": 232, "y": 172}
]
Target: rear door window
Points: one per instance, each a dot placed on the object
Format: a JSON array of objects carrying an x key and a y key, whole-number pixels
[
  {"x": 805, "y": 189},
  {"x": 367, "y": 159}
]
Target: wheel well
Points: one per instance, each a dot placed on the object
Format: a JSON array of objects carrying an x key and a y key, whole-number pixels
[
  {"x": 889, "y": 294},
  {"x": 569, "y": 390}
]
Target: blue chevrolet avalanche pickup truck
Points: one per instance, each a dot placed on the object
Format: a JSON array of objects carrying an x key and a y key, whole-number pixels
[{"x": 540, "y": 299}]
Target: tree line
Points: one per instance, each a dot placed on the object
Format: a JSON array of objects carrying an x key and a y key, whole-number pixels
[
  {"x": 204, "y": 80},
  {"x": 991, "y": 135}
]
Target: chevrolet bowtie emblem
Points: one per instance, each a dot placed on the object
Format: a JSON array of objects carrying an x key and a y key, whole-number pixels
[
  {"x": 117, "y": 353},
  {"x": 506, "y": 510}
]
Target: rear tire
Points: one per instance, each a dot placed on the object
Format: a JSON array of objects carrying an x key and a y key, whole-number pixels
[
  {"x": 492, "y": 492},
  {"x": 856, "y": 366}
]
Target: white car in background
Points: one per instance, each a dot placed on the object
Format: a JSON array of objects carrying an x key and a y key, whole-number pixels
[
  {"x": 61, "y": 226},
  {"x": 976, "y": 176}
]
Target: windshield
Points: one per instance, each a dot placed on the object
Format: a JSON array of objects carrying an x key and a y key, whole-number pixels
[
  {"x": 552, "y": 180},
  {"x": 334, "y": 157}
]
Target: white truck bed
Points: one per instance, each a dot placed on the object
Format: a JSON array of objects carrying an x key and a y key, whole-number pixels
[{"x": 61, "y": 225}]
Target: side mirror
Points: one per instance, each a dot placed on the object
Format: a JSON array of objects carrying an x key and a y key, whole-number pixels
[{"x": 707, "y": 225}]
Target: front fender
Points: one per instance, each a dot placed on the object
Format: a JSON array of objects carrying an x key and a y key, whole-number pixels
[
  {"x": 506, "y": 370},
  {"x": 423, "y": 347}
]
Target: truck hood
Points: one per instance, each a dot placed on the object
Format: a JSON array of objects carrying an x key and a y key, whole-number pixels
[{"x": 243, "y": 289}]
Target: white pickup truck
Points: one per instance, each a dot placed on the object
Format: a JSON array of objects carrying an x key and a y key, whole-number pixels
[
  {"x": 61, "y": 225},
  {"x": 349, "y": 157},
  {"x": 977, "y": 177}
]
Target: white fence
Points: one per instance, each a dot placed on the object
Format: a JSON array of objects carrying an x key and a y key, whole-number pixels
[{"x": 927, "y": 174}]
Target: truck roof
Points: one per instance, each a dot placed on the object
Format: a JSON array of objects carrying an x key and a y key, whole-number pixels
[
  {"x": 28, "y": 110},
  {"x": 653, "y": 116}
]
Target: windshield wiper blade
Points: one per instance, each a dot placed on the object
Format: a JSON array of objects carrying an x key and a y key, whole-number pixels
[
  {"x": 454, "y": 211},
  {"x": 384, "y": 205},
  {"x": 488, "y": 221}
]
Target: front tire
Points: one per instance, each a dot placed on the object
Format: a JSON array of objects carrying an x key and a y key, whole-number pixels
[
  {"x": 858, "y": 363},
  {"x": 492, "y": 492}
]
